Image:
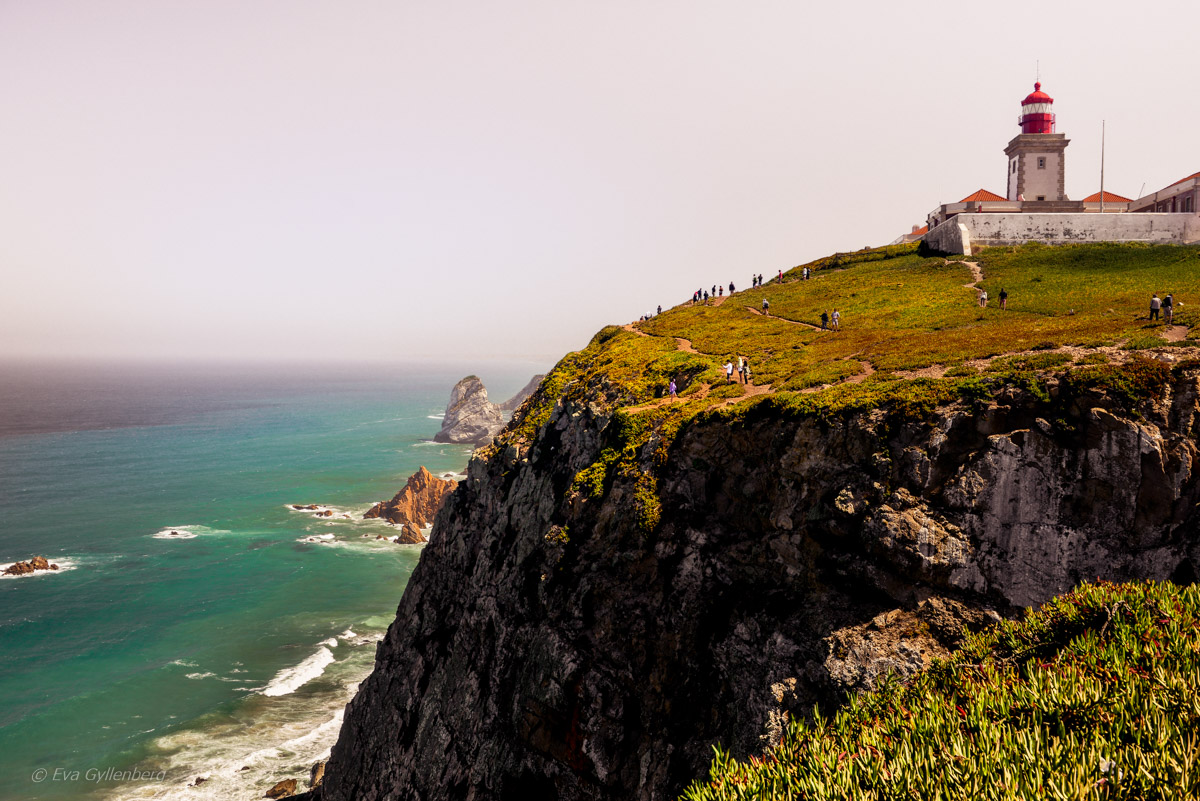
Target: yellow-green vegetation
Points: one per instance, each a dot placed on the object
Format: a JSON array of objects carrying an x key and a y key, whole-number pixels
[
  {"x": 1095, "y": 695},
  {"x": 902, "y": 310}
]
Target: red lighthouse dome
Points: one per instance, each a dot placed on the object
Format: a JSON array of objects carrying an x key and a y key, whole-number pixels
[{"x": 1037, "y": 112}]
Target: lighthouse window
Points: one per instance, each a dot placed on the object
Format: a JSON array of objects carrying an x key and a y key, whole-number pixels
[
  {"x": 1041, "y": 162},
  {"x": 1014, "y": 165}
]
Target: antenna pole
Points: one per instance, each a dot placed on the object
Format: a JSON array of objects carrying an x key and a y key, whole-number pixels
[{"x": 1102, "y": 166}]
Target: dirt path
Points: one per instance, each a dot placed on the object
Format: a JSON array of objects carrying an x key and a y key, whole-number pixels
[
  {"x": 1174, "y": 333},
  {"x": 685, "y": 345},
  {"x": 749, "y": 391},
  {"x": 813, "y": 326}
]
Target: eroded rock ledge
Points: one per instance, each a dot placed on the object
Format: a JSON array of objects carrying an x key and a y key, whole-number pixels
[{"x": 554, "y": 645}]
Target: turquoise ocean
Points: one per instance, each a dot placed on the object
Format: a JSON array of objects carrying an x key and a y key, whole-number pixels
[{"x": 198, "y": 627}]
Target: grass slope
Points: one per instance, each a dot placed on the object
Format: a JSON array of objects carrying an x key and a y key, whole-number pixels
[{"x": 1095, "y": 695}]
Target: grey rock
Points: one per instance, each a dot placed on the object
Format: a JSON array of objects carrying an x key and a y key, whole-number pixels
[
  {"x": 470, "y": 417},
  {"x": 547, "y": 646}
]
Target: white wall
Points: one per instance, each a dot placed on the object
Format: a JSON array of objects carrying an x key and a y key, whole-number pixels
[{"x": 967, "y": 231}]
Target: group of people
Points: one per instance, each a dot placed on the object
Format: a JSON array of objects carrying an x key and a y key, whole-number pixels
[
  {"x": 831, "y": 322},
  {"x": 756, "y": 281},
  {"x": 1164, "y": 305},
  {"x": 716, "y": 292},
  {"x": 983, "y": 298},
  {"x": 743, "y": 371}
]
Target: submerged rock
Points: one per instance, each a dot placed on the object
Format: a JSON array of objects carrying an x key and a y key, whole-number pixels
[
  {"x": 284, "y": 789},
  {"x": 415, "y": 506}
]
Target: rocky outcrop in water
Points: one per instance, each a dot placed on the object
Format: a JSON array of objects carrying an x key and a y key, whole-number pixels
[
  {"x": 415, "y": 506},
  {"x": 555, "y": 643},
  {"x": 33, "y": 565},
  {"x": 470, "y": 417}
]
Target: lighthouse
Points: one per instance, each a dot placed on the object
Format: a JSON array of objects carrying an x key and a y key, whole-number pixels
[{"x": 1037, "y": 155}]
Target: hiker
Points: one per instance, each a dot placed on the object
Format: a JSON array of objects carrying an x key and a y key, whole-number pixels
[
  {"x": 983, "y": 298},
  {"x": 741, "y": 370},
  {"x": 1155, "y": 305},
  {"x": 760, "y": 279},
  {"x": 753, "y": 281},
  {"x": 1003, "y": 298},
  {"x": 660, "y": 308},
  {"x": 780, "y": 276},
  {"x": 746, "y": 368},
  {"x": 1168, "y": 308},
  {"x": 836, "y": 319},
  {"x": 766, "y": 307},
  {"x": 671, "y": 388},
  {"x": 805, "y": 273},
  {"x": 729, "y": 371},
  {"x": 714, "y": 291},
  {"x": 824, "y": 320},
  {"x": 706, "y": 297},
  {"x": 731, "y": 289},
  {"x": 721, "y": 291}
]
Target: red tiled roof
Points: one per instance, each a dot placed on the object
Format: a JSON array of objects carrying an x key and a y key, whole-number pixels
[
  {"x": 1190, "y": 177},
  {"x": 924, "y": 229},
  {"x": 982, "y": 194},
  {"x": 1109, "y": 197}
]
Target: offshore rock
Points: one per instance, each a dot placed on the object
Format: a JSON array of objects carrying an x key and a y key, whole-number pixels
[
  {"x": 470, "y": 417},
  {"x": 285, "y": 789},
  {"x": 33, "y": 565},
  {"x": 552, "y": 644},
  {"x": 415, "y": 506}
]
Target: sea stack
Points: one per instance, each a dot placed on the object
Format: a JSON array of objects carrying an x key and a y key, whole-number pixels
[
  {"x": 470, "y": 419},
  {"x": 415, "y": 506}
]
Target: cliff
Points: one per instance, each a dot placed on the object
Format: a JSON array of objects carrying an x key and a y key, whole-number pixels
[
  {"x": 622, "y": 582},
  {"x": 515, "y": 401}
]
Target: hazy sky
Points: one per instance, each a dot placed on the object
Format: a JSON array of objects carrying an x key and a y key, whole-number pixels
[{"x": 387, "y": 180}]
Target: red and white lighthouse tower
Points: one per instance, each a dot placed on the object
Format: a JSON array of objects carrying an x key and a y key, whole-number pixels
[
  {"x": 1036, "y": 156},
  {"x": 1037, "y": 112}
]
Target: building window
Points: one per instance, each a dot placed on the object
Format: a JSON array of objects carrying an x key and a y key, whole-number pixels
[
  {"x": 1041, "y": 197},
  {"x": 1014, "y": 166},
  {"x": 1041, "y": 162}
]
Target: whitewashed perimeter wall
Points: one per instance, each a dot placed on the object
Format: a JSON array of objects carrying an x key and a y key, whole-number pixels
[{"x": 966, "y": 231}]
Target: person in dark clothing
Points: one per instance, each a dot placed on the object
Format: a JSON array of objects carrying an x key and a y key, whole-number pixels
[
  {"x": 824, "y": 320},
  {"x": 660, "y": 309},
  {"x": 706, "y": 297},
  {"x": 1003, "y": 298},
  {"x": 731, "y": 289},
  {"x": 1168, "y": 308}
]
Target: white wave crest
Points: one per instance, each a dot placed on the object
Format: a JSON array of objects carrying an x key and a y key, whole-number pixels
[{"x": 291, "y": 679}]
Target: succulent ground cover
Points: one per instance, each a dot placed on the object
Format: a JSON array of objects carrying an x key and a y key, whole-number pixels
[{"x": 1095, "y": 695}]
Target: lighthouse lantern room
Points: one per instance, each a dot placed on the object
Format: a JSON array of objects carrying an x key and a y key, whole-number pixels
[{"x": 1037, "y": 112}]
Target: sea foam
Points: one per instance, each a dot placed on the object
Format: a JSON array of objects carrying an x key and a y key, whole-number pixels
[{"x": 291, "y": 679}]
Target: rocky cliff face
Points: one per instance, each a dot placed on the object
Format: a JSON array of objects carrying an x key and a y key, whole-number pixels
[
  {"x": 470, "y": 417},
  {"x": 415, "y": 506},
  {"x": 515, "y": 401},
  {"x": 560, "y": 643}
]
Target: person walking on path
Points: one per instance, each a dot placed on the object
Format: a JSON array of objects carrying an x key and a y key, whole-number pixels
[
  {"x": 741, "y": 370},
  {"x": 706, "y": 297},
  {"x": 824, "y": 320},
  {"x": 731, "y": 289},
  {"x": 660, "y": 309},
  {"x": 837, "y": 317},
  {"x": 983, "y": 298},
  {"x": 780, "y": 279},
  {"x": 1003, "y": 298},
  {"x": 1155, "y": 305},
  {"x": 760, "y": 279},
  {"x": 729, "y": 371},
  {"x": 804, "y": 274},
  {"x": 1168, "y": 308},
  {"x": 746, "y": 367},
  {"x": 766, "y": 307},
  {"x": 671, "y": 388},
  {"x": 721, "y": 291}
]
